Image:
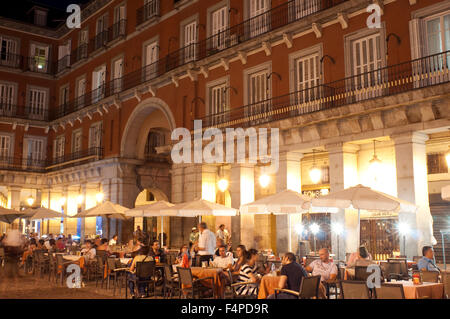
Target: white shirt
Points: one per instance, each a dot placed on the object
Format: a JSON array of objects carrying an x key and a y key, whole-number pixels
[
  {"x": 223, "y": 234},
  {"x": 13, "y": 238},
  {"x": 221, "y": 262},
  {"x": 112, "y": 242},
  {"x": 88, "y": 254},
  {"x": 47, "y": 244},
  {"x": 207, "y": 240}
]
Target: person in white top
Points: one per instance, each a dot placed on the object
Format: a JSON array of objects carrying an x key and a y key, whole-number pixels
[
  {"x": 206, "y": 243},
  {"x": 223, "y": 234},
  {"x": 113, "y": 241},
  {"x": 224, "y": 260},
  {"x": 89, "y": 252}
]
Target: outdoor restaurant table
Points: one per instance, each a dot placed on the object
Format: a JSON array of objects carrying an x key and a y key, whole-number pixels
[
  {"x": 79, "y": 260},
  {"x": 218, "y": 285},
  {"x": 427, "y": 289},
  {"x": 268, "y": 285}
]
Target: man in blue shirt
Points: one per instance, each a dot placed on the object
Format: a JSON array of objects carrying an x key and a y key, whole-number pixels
[{"x": 426, "y": 263}]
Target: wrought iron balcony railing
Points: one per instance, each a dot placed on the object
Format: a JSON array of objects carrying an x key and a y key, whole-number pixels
[
  {"x": 420, "y": 73},
  {"x": 149, "y": 11},
  {"x": 23, "y": 112},
  {"x": 43, "y": 166}
]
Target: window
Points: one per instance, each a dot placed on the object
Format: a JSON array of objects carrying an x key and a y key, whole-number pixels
[
  {"x": 190, "y": 40},
  {"x": 37, "y": 103},
  {"x": 303, "y": 8},
  {"x": 8, "y": 52},
  {"x": 83, "y": 44},
  {"x": 437, "y": 164},
  {"x": 40, "y": 17},
  {"x": 218, "y": 103},
  {"x": 81, "y": 92},
  {"x": 64, "y": 99},
  {"x": 259, "y": 91},
  {"x": 76, "y": 141},
  {"x": 438, "y": 33},
  {"x": 5, "y": 147},
  {"x": 58, "y": 149},
  {"x": 307, "y": 78},
  {"x": 219, "y": 24},
  {"x": 95, "y": 135},
  {"x": 64, "y": 56},
  {"x": 154, "y": 139},
  {"x": 34, "y": 152},
  {"x": 7, "y": 98},
  {"x": 366, "y": 64},
  {"x": 98, "y": 84},
  {"x": 117, "y": 75},
  {"x": 260, "y": 22},
  {"x": 151, "y": 58},
  {"x": 151, "y": 9},
  {"x": 102, "y": 32},
  {"x": 39, "y": 60},
  {"x": 119, "y": 21}
]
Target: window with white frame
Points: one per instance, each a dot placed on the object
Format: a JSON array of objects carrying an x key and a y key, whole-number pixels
[
  {"x": 218, "y": 102},
  {"x": 7, "y": 98},
  {"x": 101, "y": 37},
  {"x": 76, "y": 141},
  {"x": 260, "y": 22},
  {"x": 438, "y": 33},
  {"x": 303, "y": 8},
  {"x": 64, "y": 98},
  {"x": 366, "y": 62},
  {"x": 117, "y": 75},
  {"x": 151, "y": 58},
  {"x": 98, "y": 84},
  {"x": 34, "y": 151},
  {"x": 95, "y": 135},
  {"x": 119, "y": 21},
  {"x": 219, "y": 24},
  {"x": 83, "y": 44},
  {"x": 58, "y": 148},
  {"x": 81, "y": 92},
  {"x": 39, "y": 56},
  {"x": 64, "y": 55},
  {"x": 190, "y": 41},
  {"x": 8, "y": 52},
  {"x": 5, "y": 147},
  {"x": 258, "y": 94},
  {"x": 37, "y": 99},
  {"x": 307, "y": 78}
]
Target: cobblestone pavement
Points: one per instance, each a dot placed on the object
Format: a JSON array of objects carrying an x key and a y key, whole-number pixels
[{"x": 27, "y": 286}]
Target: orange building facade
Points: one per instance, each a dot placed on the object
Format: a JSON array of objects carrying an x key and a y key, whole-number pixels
[{"x": 90, "y": 110}]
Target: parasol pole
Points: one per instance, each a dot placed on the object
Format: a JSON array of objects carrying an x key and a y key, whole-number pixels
[
  {"x": 289, "y": 232},
  {"x": 162, "y": 231}
]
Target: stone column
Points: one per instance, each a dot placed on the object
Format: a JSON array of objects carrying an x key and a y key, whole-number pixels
[
  {"x": 83, "y": 208},
  {"x": 208, "y": 184},
  {"x": 108, "y": 226},
  {"x": 46, "y": 195},
  {"x": 344, "y": 174},
  {"x": 288, "y": 177},
  {"x": 242, "y": 189},
  {"x": 14, "y": 199},
  {"x": 412, "y": 186},
  {"x": 65, "y": 194}
]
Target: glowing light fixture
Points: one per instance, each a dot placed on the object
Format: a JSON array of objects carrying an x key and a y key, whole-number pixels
[
  {"x": 314, "y": 228},
  {"x": 223, "y": 185},
  {"x": 315, "y": 173},
  {"x": 80, "y": 199},
  {"x": 62, "y": 201},
  {"x": 337, "y": 228},
  {"x": 299, "y": 229},
  {"x": 403, "y": 228},
  {"x": 30, "y": 201},
  {"x": 99, "y": 197},
  {"x": 264, "y": 180},
  {"x": 447, "y": 158},
  {"x": 375, "y": 162}
]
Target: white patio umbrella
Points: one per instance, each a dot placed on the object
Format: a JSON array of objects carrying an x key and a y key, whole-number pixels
[
  {"x": 361, "y": 198},
  {"x": 9, "y": 215},
  {"x": 282, "y": 203},
  {"x": 107, "y": 209},
  {"x": 152, "y": 210},
  {"x": 200, "y": 207},
  {"x": 42, "y": 213}
]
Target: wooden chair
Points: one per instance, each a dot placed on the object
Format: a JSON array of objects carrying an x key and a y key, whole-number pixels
[
  {"x": 446, "y": 281},
  {"x": 309, "y": 289},
  {"x": 354, "y": 290},
  {"x": 171, "y": 284},
  {"x": 145, "y": 271},
  {"x": 191, "y": 285},
  {"x": 61, "y": 267},
  {"x": 114, "y": 272},
  {"x": 390, "y": 291},
  {"x": 430, "y": 276},
  {"x": 361, "y": 273}
]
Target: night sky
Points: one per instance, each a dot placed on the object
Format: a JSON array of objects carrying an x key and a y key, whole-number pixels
[{"x": 60, "y": 4}]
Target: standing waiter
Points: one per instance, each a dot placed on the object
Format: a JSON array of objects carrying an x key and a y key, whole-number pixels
[{"x": 206, "y": 243}]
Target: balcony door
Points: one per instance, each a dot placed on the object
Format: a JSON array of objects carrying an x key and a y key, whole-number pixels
[
  {"x": 259, "y": 22},
  {"x": 102, "y": 32},
  {"x": 58, "y": 149},
  {"x": 5, "y": 146},
  {"x": 98, "y": 84},
  {"x": 151, "y": 59},
  {"x": 37, "y": 104},
  {"x": 258, "y": 95},
  {"x": 7, "y": 98},
  {"x": 8, "y": 51},
  {"x": 307, "y": 79},
  {"x": 119, "y": 21},
  {"x": 81, "y": 92},
  {"x": 190, "y": 41},
  {"x": 34, "y": 152},
  {"x": 39, "y": 58},
  {"x": 219, "y": 21},
  {"x": 118, "y": 74}
]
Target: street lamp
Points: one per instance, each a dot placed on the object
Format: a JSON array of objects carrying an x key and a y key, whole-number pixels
[
  {"x": 62, "y": 201},
  {"x": 99, "y": 197},
  {"x": 80, "y": 199},
  {"x": 338, "y": 230},
  {"x": 315, "y": 173},
  {"x": 403, "y": 229},
  {"x": 375, "y": 162},
  {"x": 264, "y": 180},
  {"x": 30, "y": 201},
  {"x": 447, "y": 158},
  {"x": 314, "y": 228}
]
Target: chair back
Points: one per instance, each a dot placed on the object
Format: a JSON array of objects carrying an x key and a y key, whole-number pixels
[
  {"x": 309, "y": 287},
  {"x": 361, "y": 273},
  {"x": 310, "y": 259},
  {"x": 168, "y": 273},
  {"x": 446, "y": 281},
  {"x": 145, "y": 269},
  {"x": 52, "y": 260},
  {"x": 59, "y": 259},
  {"x": 100, "y": 262},
  {"x": 111, "y": 263},
  {"x": 197, "y": 260},
  {"x": 390, "y": 291},
  {"x": 403, "y": 264},
  {"x": 354, "y": 290},
  {"x": 101, "y": 253},
  {"x": 185, "y": 275},
  {"x": 430, "y": 276},
  {"x": 230, "y": 276},
  {"x": 394, "y": 268},
  {"x": 341, "y": 273}
]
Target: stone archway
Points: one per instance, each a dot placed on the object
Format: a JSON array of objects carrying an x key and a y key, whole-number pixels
[{"x": 152, "y": 113}]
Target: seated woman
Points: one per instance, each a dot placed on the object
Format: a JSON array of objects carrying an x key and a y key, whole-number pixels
[
  {"x": 52, "y": 245},
  {"x": 247, "y": 274},
  {"x": 241, "y": 252},
  {"x": 60, "y": 245},
  {"x": 360, "y": 258},
  {"x": 104, "y": 248},
  {"x": 88, "y": 252},
  {"x": 142, "y": 256},
  {"x": 181, "y": 260}
]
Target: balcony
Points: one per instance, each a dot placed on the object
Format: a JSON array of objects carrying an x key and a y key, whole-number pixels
[
  {"x": 147, "y": 12},
  {"x": 23, "y": 112},
  {"x": 9, "y": 60},
  {"x": 390, "y": 80},
  {"x": 44, "y": 166}
]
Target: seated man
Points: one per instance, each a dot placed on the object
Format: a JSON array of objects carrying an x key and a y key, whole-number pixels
[
  {"x": 156, "y": 251},
  {"x": 291, "y": 276},
  {"x": 224, "y": 260},
  {"x": 142, "y": 256},
  {"x": 324, "y": 268},
  {"x": 89, "y": 252},
  {"x": 426, "y": 263}
]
